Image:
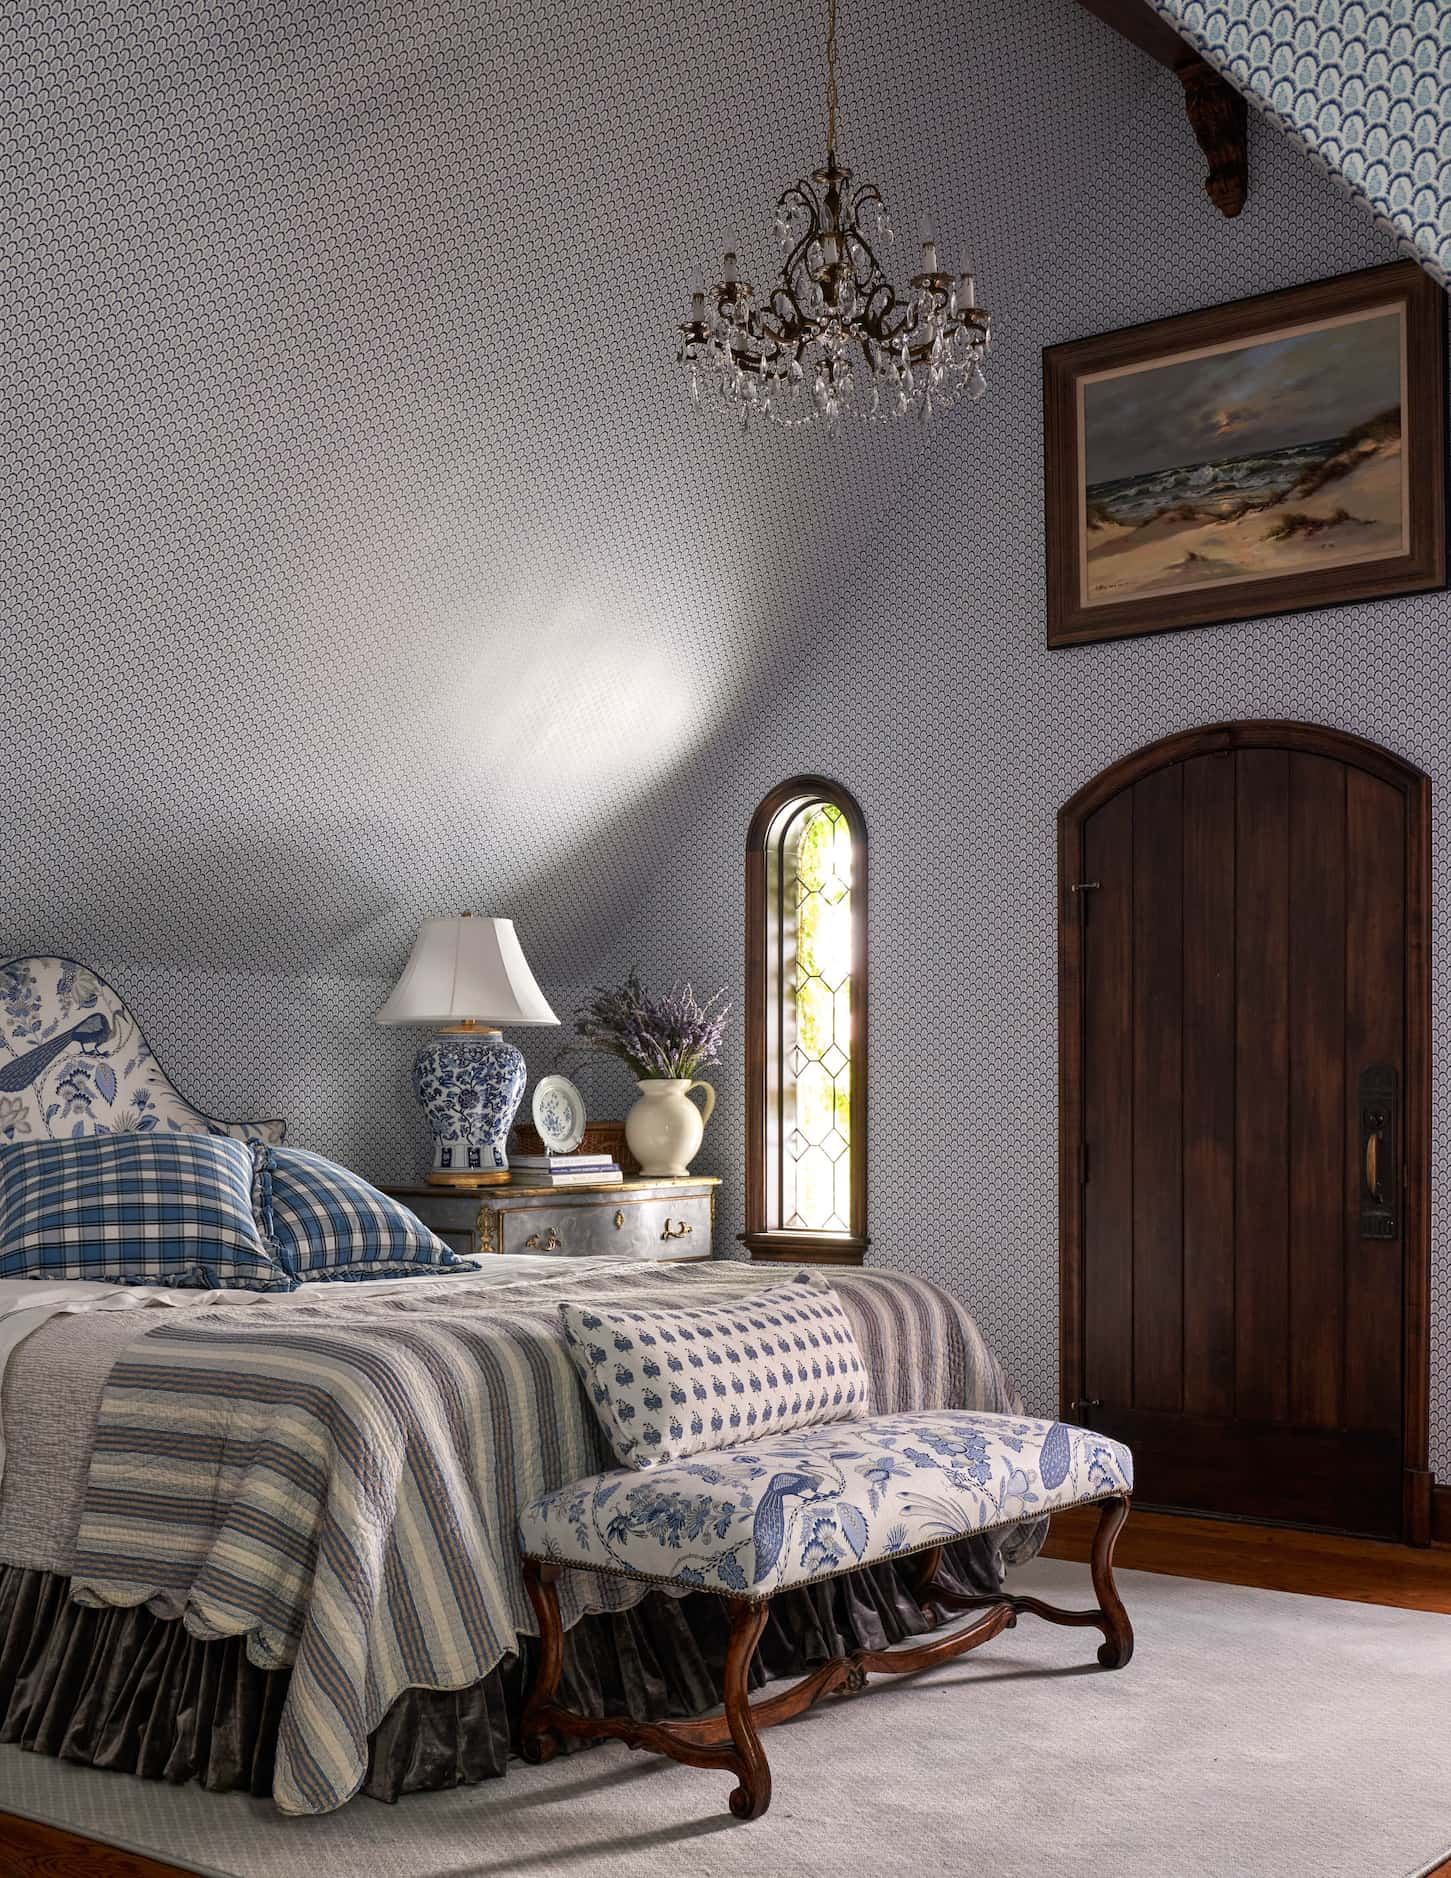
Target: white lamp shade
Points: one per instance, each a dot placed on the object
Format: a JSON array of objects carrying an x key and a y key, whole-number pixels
[{"x": 466, "y": 968}]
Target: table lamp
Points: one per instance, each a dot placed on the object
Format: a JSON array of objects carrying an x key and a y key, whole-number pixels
[{"x": 468, "y": 976}]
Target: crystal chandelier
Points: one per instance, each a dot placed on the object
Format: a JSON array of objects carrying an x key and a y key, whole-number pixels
[{"x": 833, "y": 334}]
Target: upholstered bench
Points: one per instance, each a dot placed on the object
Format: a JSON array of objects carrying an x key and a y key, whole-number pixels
[{"x": 791, "y": 1509}]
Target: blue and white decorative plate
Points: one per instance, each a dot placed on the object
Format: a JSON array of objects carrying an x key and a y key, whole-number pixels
[{"x": 558, "y": 1111}]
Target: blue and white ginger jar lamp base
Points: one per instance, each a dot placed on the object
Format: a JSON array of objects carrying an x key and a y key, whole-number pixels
[{"x": 470, "y": 1082}]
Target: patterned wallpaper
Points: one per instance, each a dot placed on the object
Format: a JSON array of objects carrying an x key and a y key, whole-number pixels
[
  {"x": 1363, "y": 88},
  {"x": 360, "y": 560}
]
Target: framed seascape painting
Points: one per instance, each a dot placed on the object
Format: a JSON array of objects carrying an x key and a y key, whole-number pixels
[{"x": 1273, "y": 454}]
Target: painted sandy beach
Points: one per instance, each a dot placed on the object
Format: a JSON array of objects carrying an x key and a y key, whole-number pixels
[{"x": 1295, "y": 494}]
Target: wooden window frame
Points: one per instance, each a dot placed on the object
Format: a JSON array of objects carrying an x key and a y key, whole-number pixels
[{"x": 763, "y": 1240}]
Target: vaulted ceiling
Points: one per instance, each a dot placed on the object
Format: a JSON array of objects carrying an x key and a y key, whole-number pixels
[{"x": 362, "y": 558}]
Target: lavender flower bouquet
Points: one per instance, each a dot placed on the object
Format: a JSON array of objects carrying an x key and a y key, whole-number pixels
[{"x": 671, "y": 1036}]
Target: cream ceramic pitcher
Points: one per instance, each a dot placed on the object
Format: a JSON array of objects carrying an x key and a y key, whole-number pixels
[{"x": 665, "y": 1128}]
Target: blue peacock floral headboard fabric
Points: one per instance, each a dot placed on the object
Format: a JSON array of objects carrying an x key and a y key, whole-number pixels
[{"x": 73, "y": 1062}]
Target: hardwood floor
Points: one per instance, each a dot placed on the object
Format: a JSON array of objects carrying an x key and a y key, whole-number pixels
[
  {"x": 1364, "y": 1571},
  {"x": 1320, "y": 1564},
  {"x": 31, "y": 1851}
]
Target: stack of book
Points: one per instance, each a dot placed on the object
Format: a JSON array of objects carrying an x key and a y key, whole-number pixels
[{"x": 566, "y": 1170}]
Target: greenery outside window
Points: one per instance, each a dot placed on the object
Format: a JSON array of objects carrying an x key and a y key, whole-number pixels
[{"x": 806, "y": 860}]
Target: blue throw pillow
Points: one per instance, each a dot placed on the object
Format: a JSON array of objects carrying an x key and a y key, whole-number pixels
[
  {"x": 328, "y": 1223},
  {"x": 135, "y": 1209}
]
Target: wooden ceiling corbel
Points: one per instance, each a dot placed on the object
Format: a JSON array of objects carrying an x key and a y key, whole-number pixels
[{"x": 1217, "y": 113}]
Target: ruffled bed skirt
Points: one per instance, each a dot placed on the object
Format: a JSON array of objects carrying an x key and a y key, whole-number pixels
[{"x": 125, "y": 1690}]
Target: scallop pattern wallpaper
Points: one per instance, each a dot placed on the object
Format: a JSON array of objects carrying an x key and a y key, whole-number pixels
[
  {"x": 362, "y": 559},
  {"x": 1365, "y": 89}
]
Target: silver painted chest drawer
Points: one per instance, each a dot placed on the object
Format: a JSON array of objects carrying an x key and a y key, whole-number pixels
[{"x": 635, "y": 1219}]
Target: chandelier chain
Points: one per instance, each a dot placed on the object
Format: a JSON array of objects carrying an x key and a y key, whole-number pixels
[{"x": 831, "y": 99}]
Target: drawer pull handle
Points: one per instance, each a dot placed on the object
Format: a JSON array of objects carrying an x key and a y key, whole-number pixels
[
  {"x": 551, "y": 1241},
  {"x": 680, "y": 1230},
  {"x": 619, "y": 1219}
]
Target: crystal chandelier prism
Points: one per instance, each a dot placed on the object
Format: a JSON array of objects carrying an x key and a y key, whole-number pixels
[{"x": 833, "y": 335}]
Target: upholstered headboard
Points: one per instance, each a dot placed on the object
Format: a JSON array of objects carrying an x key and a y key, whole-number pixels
[{"x": 73, "y": 1061}]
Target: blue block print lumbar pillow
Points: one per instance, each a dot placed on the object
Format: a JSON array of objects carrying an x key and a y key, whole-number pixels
[
  {"x": 328, "y": 1223},
  {"x": 135, "y": 1209},
  {"x": 666, "y": 1383}
]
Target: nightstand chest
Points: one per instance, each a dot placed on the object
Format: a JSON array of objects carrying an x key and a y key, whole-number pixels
[{"x": 638, "y": 1218}]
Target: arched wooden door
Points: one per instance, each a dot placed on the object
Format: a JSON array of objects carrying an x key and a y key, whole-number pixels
[{"x": 1244, "y": 1123}]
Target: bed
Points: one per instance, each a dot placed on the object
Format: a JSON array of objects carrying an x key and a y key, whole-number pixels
[{"x": 266, "y": 1540}]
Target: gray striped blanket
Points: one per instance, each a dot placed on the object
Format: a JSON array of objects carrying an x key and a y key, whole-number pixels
[{"x": 338, "y": 1480}]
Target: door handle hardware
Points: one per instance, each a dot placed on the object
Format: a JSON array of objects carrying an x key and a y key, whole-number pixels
[
  {"x": 551, "y": 1241},
  {"x": 1086, "y": 1404},
  {"x": 680, "y": 1230},
  {"x": 1376, "y": 1102}
]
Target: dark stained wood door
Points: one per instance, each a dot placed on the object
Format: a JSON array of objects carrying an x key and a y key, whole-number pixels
[{"x": 1244, "y": 1126}]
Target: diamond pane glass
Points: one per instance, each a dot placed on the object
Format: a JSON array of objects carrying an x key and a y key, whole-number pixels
[{"x": 817, "y": 886}]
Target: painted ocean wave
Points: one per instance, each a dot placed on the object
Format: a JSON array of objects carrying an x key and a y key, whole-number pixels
[{"x": 1226, "y": 488}]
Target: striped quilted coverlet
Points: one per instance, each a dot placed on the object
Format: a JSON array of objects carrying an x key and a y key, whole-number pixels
[{"x": 338, "y": 1481}]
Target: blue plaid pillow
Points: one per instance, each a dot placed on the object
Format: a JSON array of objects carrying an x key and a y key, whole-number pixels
[
  {"x": 329, "y": 1223},
  {"x": 135, "y": 1209}
]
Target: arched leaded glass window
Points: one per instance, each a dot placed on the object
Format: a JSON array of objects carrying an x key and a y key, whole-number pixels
[{"x": 806, "y": 858}]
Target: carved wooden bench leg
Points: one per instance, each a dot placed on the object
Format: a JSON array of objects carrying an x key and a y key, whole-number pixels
[
  {"x": 1118, "y": 1633},
  {"x": 1110, "y": 1617},
  {"x": 731, "y": 1741},
  {"x": 537, "y": 1740},
  {"x": 751, "y": 1798},
  {"x": 928, "y": 1564}
]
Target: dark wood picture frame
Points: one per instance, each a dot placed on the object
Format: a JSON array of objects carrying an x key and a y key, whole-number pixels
[
  {"x": 1422, "y": 567},
  {"x": 764, "y": 1240},
  {"x": 1415, "y": 787}
]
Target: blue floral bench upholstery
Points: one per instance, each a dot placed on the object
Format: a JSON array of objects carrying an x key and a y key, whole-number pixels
[{"x": 774, "y": 1514}]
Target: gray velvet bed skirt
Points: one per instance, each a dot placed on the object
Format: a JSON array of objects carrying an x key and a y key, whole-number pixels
[{"x": 125, "y": 1690}]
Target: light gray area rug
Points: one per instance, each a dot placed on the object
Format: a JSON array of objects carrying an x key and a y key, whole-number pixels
[{"x": 1254, "y": 1733}]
